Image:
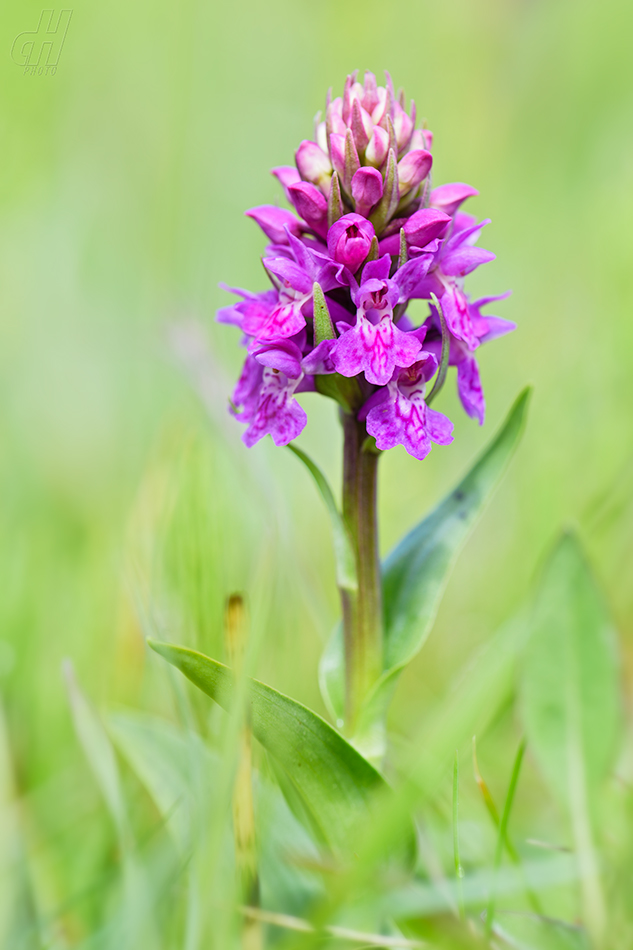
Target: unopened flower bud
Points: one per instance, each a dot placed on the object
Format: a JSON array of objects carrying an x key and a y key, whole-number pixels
[
  {"x": 412, "y": 169},
  {"x": 366, "y": 189},
  {"x": 403, "y": 127},
  {"x": 370, "y": 97},
  {"x": 378, "y": 147},
  {"x": 349, "y": 240},
  {"x": 424, "y": 226},
  {"x": 311, "y": 205},
  {"x": 361, "y": 126},
  {"x": 286, "y": 175},
  {"x": 313, "y": 164}
]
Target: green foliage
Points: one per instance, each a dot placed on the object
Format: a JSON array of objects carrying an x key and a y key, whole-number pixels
[
  {"x": 126, "y": 512},
  {"x": 571, "y": 704},
  {"x": 417, "y": 570},
  {"x": 336, "y": 784}
]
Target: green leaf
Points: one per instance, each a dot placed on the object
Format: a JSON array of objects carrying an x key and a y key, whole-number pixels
[
  {"x": 337, "y": 785},
  {"x": 99, "y": 754},
  {"x": 343, "y": 550},
  {"x": 571, "y": 705},
  {"x": 175, "y": 767},
  {"x": 416, "y": 572}
]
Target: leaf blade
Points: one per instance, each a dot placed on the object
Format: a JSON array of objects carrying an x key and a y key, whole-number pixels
[
  {"x": 570, "y": 702},
  {"x": 416, "y": 571},
  {"x": 337, "y": 784}
]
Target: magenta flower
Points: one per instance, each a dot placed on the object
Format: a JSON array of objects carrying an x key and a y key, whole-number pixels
[
  {"x": 349, "y": 240},
  {"x": 364, "y": 177},
  {"x": 398, "y": 414},
  {"x": 375, "y": 346},
  {"x": 264, "y": 395},
  {"x": 484, "y": 328}
]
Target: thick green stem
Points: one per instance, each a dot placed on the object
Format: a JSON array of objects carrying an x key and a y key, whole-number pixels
[{"x": 362, "y": 612}]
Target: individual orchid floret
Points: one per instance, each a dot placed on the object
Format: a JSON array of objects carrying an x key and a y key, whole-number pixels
[
  {"x": 377, "y": 148},
  {"x": 264, "y": 395},
  {"x": 398, "y": 415},
  {"x": 403, "y": 125},
  {"x": 349, "y": 240},
  {"x": 375, "y": 346},
  {"x": 314, "y": 165},
  {"x": 484, "y": 328},
  {"x": 413, "y": 169},
  {"x": 366, "y": 190}
]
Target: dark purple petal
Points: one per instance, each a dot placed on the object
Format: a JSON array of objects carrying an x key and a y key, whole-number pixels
[{"x": 390, "y": 245}]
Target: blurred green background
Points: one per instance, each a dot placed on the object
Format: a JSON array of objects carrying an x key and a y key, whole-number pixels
[{"x": 125, "y": 504}]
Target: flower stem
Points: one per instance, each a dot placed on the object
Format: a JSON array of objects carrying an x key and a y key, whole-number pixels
[{"x": 362, "y": 611}]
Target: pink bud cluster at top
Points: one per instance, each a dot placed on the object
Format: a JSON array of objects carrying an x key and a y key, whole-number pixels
[{"x": 367, "y": 234}]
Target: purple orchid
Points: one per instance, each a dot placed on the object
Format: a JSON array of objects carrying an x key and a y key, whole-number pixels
[
  {"x": 264, "y": 395},
  {"x": 398, "y": 414},
  {"x": 365, "y": 178},
  {"x": 375, "y": 346},
  {"x": 484, "y": 328}
]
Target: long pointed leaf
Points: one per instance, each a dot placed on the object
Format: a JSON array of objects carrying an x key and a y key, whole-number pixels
[
  {"x": 571, "y": 703},
  {"x": 335, "y": 782},
  {"x": 416, "y": 572}
]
